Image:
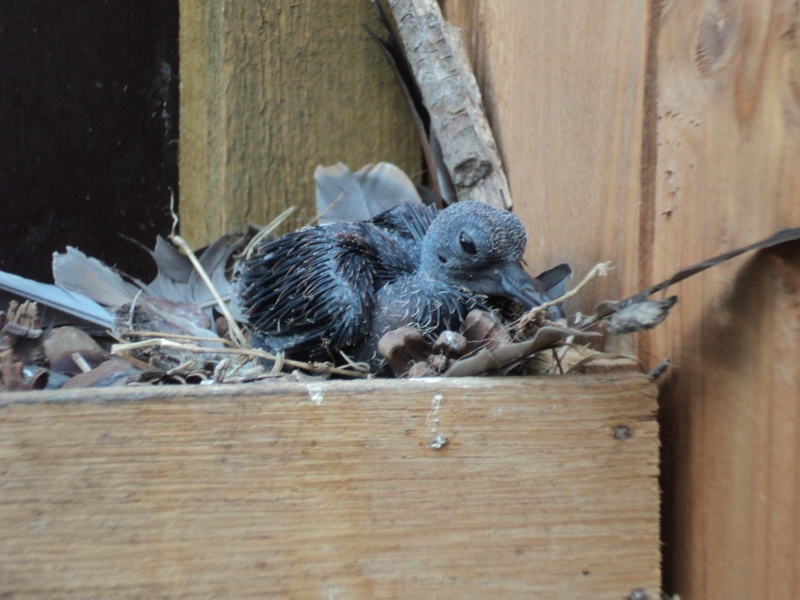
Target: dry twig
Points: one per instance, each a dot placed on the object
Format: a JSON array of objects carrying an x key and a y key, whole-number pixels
[
  {"x": 174, "y": 336},
  {"x": 233, "y": 327},
  {"x": 599, "y": 270},
  {"x": 327, "y": 209},
  {"x": 265, "y": 231},
  {"x": 123, "y": 349}
]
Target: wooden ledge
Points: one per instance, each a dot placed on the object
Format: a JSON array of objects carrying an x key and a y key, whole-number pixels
[{"x": 512, "y": 487}]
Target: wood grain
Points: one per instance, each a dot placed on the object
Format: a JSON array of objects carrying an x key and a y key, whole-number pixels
[
  {"x": 269, "y": 90},
  {"x": 728, "y": 173},
  {"x": 333, "y": 490},
  {"x": 720, "y": 167},
  {"x": 564, "y": 84}
]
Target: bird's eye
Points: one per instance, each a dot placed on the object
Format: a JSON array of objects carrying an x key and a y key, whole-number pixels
[{"x": 467, "y": 245}]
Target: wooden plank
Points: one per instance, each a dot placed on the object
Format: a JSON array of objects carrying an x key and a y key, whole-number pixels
[
  {"x": 728, "y": 173},
  {"x": 720, "y": 168},
  {"x": 268, "y": 91},
  {"x": 563, "y": 83},
  {"x": 333, "y": 490}
]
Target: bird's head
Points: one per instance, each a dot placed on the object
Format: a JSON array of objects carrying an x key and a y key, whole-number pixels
[{"x": 474, "y": 246}]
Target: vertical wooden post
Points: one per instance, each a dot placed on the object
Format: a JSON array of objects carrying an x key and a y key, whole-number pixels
[
  {"x": 728, "y": 173},
  {"x": 268, "y": 91}
]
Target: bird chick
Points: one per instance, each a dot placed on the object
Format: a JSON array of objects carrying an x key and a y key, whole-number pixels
[{"x": 336, "y": 289}]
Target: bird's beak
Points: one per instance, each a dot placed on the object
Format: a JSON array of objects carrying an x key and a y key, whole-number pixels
[
  {"x": 510, "y": 280},
  {"x": 520, "y": 286}
]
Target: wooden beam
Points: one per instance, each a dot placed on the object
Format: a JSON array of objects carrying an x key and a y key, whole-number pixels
[
  {"x": 269, "y": 90},
  {"x": 543, "y": 488}
]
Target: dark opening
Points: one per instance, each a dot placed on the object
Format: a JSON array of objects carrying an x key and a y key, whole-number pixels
[{"x": 89, "y": 113}]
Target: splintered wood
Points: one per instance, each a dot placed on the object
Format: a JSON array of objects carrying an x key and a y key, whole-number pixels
[{"x": 475, "y": 488}]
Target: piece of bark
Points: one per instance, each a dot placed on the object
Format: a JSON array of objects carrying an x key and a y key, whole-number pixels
[
  {"x": 440, "y": 183},
  {"x": 451, "y": 95}
]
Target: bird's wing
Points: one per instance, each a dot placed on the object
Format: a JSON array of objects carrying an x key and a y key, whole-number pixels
[
  {"x": 409, "y": 221},
  {"x": 311, "y": 293}
]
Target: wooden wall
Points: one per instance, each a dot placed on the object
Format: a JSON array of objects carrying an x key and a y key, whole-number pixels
[
  {"x": 655, "y": 135},
  {"x": 728, "y": 172},
  {"x": 307, "y": 86},
  {"x": 649, "y": 133},
  {"x": 563, "y": 87}
]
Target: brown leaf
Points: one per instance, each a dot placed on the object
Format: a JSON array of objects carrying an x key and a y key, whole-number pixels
[
  {"x": 483, "y": 329},
  {"x": 69, "y": 339},
  {"x": 65, "y": 361},
  {"x": 402, "y": 348},
  {"x": 22, "y": 335},
  {"x": 114, "y": 372},
  {"x": 421, "y": 369},
  {"x": 492, "y": 360}
]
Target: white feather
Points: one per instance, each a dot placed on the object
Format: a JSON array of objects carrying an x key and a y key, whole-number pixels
[
  {"x": 76, "y": 272},
  {"x": 72, "y": 303}
]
